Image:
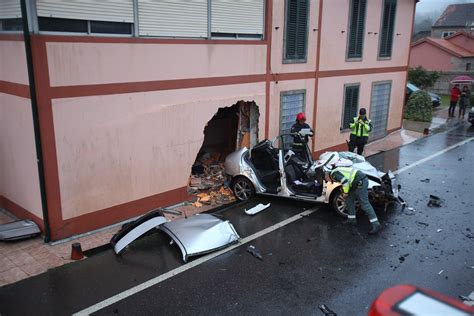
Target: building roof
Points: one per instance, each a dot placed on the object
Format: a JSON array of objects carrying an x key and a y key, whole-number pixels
[
  {"x": 456, "y": 15},
  {"x": 458, "y": 33},
  {"x": 445, "y": 45}
]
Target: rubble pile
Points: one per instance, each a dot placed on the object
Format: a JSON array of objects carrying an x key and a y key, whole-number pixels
[{"x": 207, "y": 181}]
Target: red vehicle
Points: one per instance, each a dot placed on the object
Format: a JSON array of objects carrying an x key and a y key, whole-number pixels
[{"x": 412, "y": 300}]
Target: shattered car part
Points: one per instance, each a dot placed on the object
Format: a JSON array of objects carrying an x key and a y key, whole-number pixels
[
  {"x": 253, "y": 251},
  {"x": 434, "y": 201},
  {"x": 200, "y": 234},
  {"x": 257, "y": 209},
  {"x": 326, "y": 310},
  {"x": 133, "y": 230},
  {"x": 19, "y": 230}
]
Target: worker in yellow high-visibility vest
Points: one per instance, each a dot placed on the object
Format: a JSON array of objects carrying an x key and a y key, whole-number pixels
[{"x": 360, "y": 128}]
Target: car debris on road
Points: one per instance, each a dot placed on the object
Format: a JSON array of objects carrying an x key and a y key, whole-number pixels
[
  {"x": 257, "y": 209},
  {"x": 195, "y": 235},
  {"x": 253, "y": 251}
]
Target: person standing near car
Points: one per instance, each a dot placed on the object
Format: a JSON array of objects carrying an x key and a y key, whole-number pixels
[
  {"x": 464, "y": 101},
  {"x": 297, "y": 127},
  {"x": 355, "y": 186},
  {"x": 455, "y": 93},
  {"x": 360, "y": 128}
]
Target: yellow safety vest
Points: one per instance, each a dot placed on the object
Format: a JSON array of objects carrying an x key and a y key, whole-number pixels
[
  {"x": 348, "y": 176},
  {"x": 360, "y": 129}
]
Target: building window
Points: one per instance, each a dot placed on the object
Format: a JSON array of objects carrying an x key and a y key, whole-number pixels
[
  {"x": 446, "y": 34},
  {"x": 351, "y": 104},
  {"x": 10, "y": 16},
  {"x": 356, "y": 29},
  {"x": 202, "y": 19},
  {"x": 83, "y": 26},
  {"x": 291, "y": 103},
  {"x": 11, "y": 25},
  {"x": 386, "y": 33},
  {"x": 296, "y": 31},
  {"x": 468, "y": 66}
]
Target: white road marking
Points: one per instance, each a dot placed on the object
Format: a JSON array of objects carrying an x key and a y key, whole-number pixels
[
  {"x": 120, "y": 296},
  {"x": 433, "y": 156}
]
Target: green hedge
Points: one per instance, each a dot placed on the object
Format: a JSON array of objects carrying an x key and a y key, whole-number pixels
[{"x": 419, "y": 107}]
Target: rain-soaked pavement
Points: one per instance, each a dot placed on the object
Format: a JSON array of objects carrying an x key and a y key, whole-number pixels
[{"x": 314, "y": 260}]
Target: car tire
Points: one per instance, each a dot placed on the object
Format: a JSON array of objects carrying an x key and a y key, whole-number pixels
[
  {"x": 337, "y": 202},
  {"x": 242, "y": 188}
]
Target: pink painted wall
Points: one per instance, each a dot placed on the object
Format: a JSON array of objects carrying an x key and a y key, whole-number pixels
[
  {"x": 290, "y": 85},
  {"x": 278, "y": 39},
  {"x": 19, "y": 180},
  {"x": 330, "y": 104},
  {"x": 335, "y": 31},
  {"x": 118, "y": 148},
  {"x": 464, "y": 42},
  {"x": 98, "y": 63},
  {"x": 430, "y": 57},
  {"x": 13, "y": 62}
]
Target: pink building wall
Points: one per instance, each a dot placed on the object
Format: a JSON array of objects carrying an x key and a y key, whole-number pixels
[
  {"x": 290, "y": 85},
  {"x": 335, "y": 31},
  {"x": 13, "y": 62},
  {"x": 330, "y": 105},
  {"x": 19, "y": 180},
  {"x": 278, "y": 33},
  {"x": 430, "y": 57},
  {"x": 98, "y": 63},
  {"x": 118, "y": 148}
]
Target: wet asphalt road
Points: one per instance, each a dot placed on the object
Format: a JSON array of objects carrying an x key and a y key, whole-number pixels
[{"x": 312, "y": 261}]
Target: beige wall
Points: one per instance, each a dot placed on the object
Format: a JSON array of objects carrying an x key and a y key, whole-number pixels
[
  {"x": 98, "y": 63},
  {"x": 330, "y": 104},
  {"x": 335, "y": 31},
  {"x": 118, "y": 148},
  {"x": 13, "y": 62},
  {"x": 19, "y": 180},
  {"x": 278, "y": 39}
]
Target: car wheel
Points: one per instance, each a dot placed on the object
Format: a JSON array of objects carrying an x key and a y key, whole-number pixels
[
  {"x": 243, "y": 189},
  {"x": 338, "y": 202}
]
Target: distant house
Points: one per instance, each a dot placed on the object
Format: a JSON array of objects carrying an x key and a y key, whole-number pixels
[
  {"x": 454, "y": 53},
  {"x": 455, "y": 18}
]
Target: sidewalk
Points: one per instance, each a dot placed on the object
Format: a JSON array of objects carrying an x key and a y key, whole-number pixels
[{"x": 23, "y": 259}]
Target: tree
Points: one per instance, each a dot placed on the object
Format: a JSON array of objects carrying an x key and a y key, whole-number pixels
[
  {"x": 419, "y": 107},
  {"x": 422, "y": 78}
]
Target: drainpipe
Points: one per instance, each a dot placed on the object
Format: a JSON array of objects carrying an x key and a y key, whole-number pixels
[{"x": 36, "y": 128}]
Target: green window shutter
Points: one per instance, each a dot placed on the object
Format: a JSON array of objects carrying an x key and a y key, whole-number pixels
[
  {"x": 388, "y": 23},
  {"x": 356, "y": 28},
  {"x": 296, "y": 29},
  {"x": 351, "y": 103}
]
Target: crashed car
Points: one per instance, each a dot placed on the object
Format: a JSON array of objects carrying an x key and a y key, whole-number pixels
[{"x": 280, "y": 168}]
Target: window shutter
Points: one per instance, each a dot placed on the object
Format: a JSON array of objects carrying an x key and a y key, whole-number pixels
[
  {"x": 351, "y": 103},
  {"x": 111, "y": 11},
  {"x": 356, "y": 28},
  {"x": 296, "y": 29},
  {"x": 292, "y": 103},
  {"x": 173, "y": 18},
  {"x": 237, "y": 17},
  {"x": 10, "y": 9},
  {"x": 388, "y": 23}
]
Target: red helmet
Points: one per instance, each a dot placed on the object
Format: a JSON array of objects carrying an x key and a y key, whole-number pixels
[{"x": 300, "y": 116}]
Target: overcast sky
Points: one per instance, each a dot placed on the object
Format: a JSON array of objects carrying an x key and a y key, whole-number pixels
[{"x": 430, "y": 6}]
